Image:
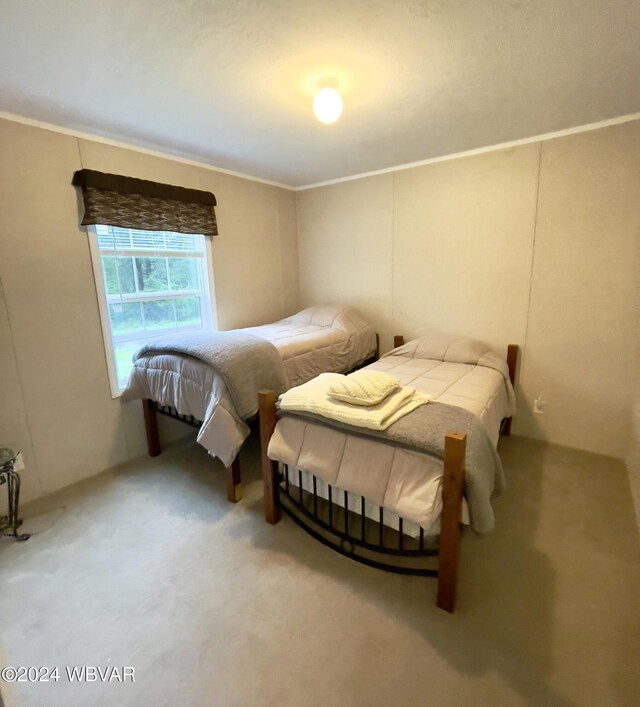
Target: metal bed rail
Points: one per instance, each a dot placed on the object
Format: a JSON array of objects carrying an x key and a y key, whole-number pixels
[
  {"x": 169, "y": 411},
  {"x": 349, "y": 530}
]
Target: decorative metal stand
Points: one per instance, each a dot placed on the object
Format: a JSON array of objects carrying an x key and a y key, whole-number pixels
[{"x": 11, "y": 478}]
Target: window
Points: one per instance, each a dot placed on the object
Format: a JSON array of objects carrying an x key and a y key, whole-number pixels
[{"x": 149, "y": 283}]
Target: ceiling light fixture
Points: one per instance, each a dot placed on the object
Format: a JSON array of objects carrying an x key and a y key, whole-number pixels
[{"x": 327, "y": 105}]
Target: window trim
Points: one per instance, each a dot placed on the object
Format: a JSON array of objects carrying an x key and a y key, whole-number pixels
[{"x": 102, "y": 297}]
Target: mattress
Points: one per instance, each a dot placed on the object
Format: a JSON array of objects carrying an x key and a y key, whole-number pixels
[
  {"x": 406, "y": 483},
  {"x": 475, "y": 388},
  {"x": 315, "y": 340},
  {"x": 326, "y": 339}
]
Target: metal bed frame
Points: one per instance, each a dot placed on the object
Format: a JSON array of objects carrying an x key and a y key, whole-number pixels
[{"x": 351, "y": 533}]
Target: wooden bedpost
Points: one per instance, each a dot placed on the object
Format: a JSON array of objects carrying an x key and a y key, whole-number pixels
[
  {"x": 267, "y": 413},
  {"x": 398, "y": 340},
  {"x": 377, "y": 347},
  {"x": 512, "y": 362},
  {"x": 234, "y": 480},
  {"x": 455, "y": 446},
  {"x": 151, "y": 427}
]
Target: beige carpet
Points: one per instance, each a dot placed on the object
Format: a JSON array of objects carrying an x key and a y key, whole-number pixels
[{"x": 150, "y": 567}]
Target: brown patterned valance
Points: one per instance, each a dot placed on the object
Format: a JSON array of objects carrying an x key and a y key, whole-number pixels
[{"x": 114, "y": 200}]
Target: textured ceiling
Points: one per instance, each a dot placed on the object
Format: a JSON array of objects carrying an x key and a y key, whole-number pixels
[{"x": 231, "y": 83}]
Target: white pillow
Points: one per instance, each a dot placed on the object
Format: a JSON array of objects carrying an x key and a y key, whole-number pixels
[{"x": 363, "y": 388}]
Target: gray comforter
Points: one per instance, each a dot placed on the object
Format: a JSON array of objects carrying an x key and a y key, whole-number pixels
[
  {"x": 424, "y": 430},
  {"x": 247, "y": 363}
]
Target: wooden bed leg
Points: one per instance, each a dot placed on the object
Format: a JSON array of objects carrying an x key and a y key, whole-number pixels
[
  {"x": 234, "y": 480},
  {"x": 512, "y": 362},
  {"x": 455, "y": 445},
  {"x": 398, "y": 340},
  {"x": 151, "y": 427},
  {"x": 267, "y": 412}
]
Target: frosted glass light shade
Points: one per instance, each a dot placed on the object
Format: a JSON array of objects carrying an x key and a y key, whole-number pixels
[{"x": 327, "y": 105}]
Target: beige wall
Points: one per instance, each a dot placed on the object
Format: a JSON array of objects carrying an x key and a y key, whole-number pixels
[
  {"x": 54, "y": 390},
  {"x": 582, "y": 343},
  {"x": 346, "y": 247},
  {"x": 633, "y": 458},
  {"x": 535, "y": 245}
]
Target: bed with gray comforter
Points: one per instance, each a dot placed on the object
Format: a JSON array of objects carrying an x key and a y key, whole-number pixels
[
  {"x": 215, "y": 376},
  {"x": 400, "y": 468}
]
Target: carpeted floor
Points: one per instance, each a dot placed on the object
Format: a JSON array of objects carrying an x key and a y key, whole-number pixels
[{"x": 150, "y": 567}]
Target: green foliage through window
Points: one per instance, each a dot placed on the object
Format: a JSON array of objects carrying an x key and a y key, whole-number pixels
[{"x": 155, "y": 283}]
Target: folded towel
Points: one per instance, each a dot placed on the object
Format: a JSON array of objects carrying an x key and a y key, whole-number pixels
[
  {"x": 313, "y": 397},
  {"x": 363, "y": 387}
]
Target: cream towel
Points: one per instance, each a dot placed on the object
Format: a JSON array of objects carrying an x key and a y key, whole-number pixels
[
  {"x": 363, "y": 387},
  {"x": 313, "y": 397}
]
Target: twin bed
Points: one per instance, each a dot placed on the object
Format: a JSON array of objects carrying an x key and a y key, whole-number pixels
[
  {"x": 171, "y": 379},
  {"x": 395, "y": 498}
]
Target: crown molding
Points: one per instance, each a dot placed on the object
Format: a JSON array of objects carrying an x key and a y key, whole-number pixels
[
  {"x": 480, "y": 150},
  {"x": 396, "y": 168},
  {"x": 135, "y": 148}
]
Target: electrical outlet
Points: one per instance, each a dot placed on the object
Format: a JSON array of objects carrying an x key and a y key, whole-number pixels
[{"x": 538, "y": 405}]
